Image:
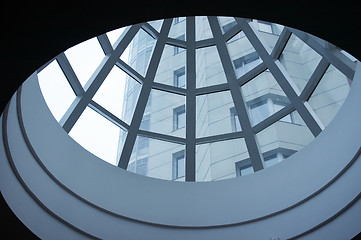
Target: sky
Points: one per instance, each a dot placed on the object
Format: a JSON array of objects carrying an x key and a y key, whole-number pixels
[{"x": 95, "y": 133}]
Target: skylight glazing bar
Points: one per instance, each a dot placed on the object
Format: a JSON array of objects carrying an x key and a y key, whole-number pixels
[
  {"x": 130, "y": 71},
  {"x": 150, "y": 30},
  {"x": 250, "y": 138},
  {"x": 74, "y": 112},
  {"x": 144, "y": 95},
  {"x": 314, "y": 79},
  {"x": 169, "y": 89},
  {"x": 176, "y": 42},
  {"x": 105, "y": 44},
  {"x": 163, "y": 137},
  {"x": 212, "y": 89},
  {"x": 70, "y": 74},
  {"x": 248, "y": 76},
  {"x": 108, "y": 115},
  {"x": 281, "y": 76},
  {"x": 205, "y": 43},
  {"x": 273, "y": 118},
  {"x": 220, "y": 137},
  {"x": 190, "y": 172},
  {"x": 281, "y": 43}
]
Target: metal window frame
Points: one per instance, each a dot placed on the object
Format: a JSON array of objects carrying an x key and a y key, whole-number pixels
[{"x": 270, "y": 60}]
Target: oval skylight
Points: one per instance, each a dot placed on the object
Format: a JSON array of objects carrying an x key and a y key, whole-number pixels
[{"x": 197, "y": 98}]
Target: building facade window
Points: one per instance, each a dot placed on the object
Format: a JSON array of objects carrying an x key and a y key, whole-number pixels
[
  {"x": 265, "y": 27},
  {"x": 178, "y": 165},
  {"x": 178, "y": 50},
  {"x": 139, "y": 166},
  {"x": 244, "y": 167},
  {"x": 179, "y": 117},
  {"x": 179, "y": 19},
  {"x": 179, "y": 77},
  {"x": 245, "y": 63}
]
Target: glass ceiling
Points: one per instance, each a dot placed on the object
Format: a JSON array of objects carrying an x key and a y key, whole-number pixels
[{"x": 197, "y": 98}]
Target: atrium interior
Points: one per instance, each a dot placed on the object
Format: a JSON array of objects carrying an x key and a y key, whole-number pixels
[{"x": 174, "y": 127}]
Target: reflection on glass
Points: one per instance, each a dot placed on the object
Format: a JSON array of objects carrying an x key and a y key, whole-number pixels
[
  {"x": 283, "y": 138},
  {"x": 214, "y": 114},
  {"x": 171, "y": 69},
  {"x": 218, "y": 160},
  {"x": 209, "y": 70},
  {"x": 203, "y": 30},
  {"x": 85, "y": 58},
  {"x": 56, "y": 90},
  {"x": 158, "y": 159},
  {"x": 178, "y": 28},
  {"x": 263, "y": 97},
  {"x": 98, "y": 135},
  {"x": 165, "y": 113},
  {"x": 226, "y": 23},
  {"x": 299, "y": 60},
  {"x": 329, "y": 94},
  {"x": 139, "y": 51}
]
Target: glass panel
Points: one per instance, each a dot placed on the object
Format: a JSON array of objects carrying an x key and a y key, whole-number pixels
[
  {"x": 330, "y": 94},
  {"x": 291, "y": 136},
  {"x": 156, "y": 24},
  {"x": 264, "y": 97},
  {"x": 214, "y": 114},
  {"x": 243, "y": 55},
  {"x": 209, "y": 70},
  {"x": 203, "y": 30},
  {"x": 156, "y": 158},
  {"x": 114, "y": 35},
  {"x": 299, "y": 60},
  {"x": 216, "y": 161},
  {"x": 56, "y": 90},
  {"x": 97, "y": 135},
  {"x": 269, "y": 32},
  {"x": 115, "y": 92},
  {"x": 85, "y": 58},
  {"x": 165, "y": 113},
  {"x": 226, "y": 23},
  {"x": 171, "y": 69},
  {"x": 178, "y": 27},
  {"x": 139, "y": 51}
]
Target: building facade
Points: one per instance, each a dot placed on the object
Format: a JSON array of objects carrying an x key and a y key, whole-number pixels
[{"x": 165, "y": 112}]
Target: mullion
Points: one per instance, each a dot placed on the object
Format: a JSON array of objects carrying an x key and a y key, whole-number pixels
[
  {"x": 144, "y": 95},
  {"x": 240, "y": 106},
  {"x": 190, "y": 171}
]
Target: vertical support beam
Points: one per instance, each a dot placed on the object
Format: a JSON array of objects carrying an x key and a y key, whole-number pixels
[
  {"x": 283, "y": 79},
  {"x": 191, "y": 101},
  {"x": 144, "y": 95},
  {"x": 250, "y": 138},
  {"x": 76, "y": 109}
]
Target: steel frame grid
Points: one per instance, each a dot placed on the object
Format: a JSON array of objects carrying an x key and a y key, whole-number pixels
[{"x": 270, "y": 61}]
